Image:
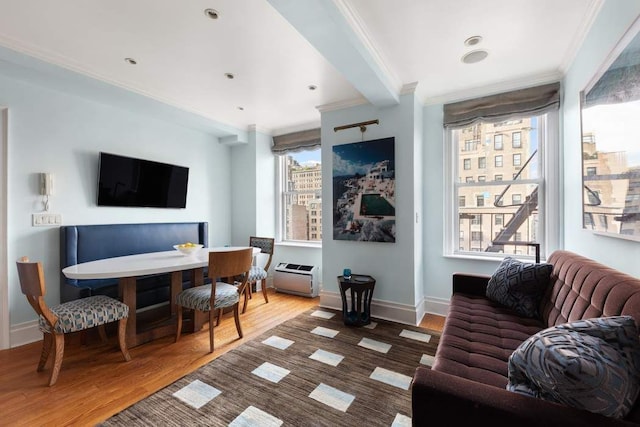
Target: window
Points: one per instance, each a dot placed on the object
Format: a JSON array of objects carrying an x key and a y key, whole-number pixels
[
  {"x": 501, "y": 197},
  {"x": 300, "y": 185},
  {"x": 517, "y": 159},
  {"x": 603, "y": 222},
  {"x": 516, "y": 141},
  {"x": 468, "y": 179},
  {"x": 470, "y": 145},
  {"x": 497, "y": 142},
  {"x": 529, "y": 118},
  {"x": 467, "y": 164},
  {"x": 591, "y": 171},
  {"x": 461, "y": 201},
  {"x": 482, "y": 162}
]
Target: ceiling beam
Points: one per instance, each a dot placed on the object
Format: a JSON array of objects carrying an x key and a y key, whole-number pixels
[{"x": 325, "y": 26}]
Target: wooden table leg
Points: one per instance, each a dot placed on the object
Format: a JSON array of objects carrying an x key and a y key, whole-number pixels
[
  {"x": 127, "y": 291},
  {"x": 176, "y": 288},
  {"x": 199, "y": 318}
]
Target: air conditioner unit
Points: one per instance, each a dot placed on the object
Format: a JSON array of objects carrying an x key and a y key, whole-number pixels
[{"x": 296, "y": 279}]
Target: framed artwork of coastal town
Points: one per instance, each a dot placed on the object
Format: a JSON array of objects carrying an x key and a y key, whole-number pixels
[
  {"x": 364, "y": 184},
  {"x": 610, "y": 108}
]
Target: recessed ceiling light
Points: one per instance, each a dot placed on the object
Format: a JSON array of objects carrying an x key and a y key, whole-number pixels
[
  {"x": 211, "y": 13},
  {"x": 312, "y": 87},
  {"x": 230, "y": 76},
  {"x": 474, "y": 56},
  {"x": 472, "y": 41},
  {"x": 130, "y": 61}
]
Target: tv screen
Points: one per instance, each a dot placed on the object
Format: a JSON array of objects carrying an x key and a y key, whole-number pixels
[{"x": 131, "y": 182}]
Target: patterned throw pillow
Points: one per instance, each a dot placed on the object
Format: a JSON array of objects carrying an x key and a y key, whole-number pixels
[
  {"x": 591, "y": 364},
  {"x": 519, "y": 285}
]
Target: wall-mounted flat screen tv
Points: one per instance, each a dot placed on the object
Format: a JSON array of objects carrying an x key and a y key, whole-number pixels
[{"x": 131, "y": 182}]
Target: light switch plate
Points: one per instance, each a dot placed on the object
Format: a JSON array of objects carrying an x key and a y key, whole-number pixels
[{"x": 46, "y": 220}]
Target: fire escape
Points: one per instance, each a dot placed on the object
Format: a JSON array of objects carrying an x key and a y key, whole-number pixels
[{"x": 513, "y": 225}]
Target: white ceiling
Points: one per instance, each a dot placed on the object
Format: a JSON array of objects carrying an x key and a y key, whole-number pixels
[{"x": 352, "y": 50}]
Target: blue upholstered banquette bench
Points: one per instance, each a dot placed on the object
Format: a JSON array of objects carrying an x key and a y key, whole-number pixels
[{"x": 83, "y": 243}]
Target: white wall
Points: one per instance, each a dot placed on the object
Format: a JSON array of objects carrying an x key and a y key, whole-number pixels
[
  {"x": 50, "y": 131},
  {"x": 391, "y": 264},
  {"x": 612, "y": 22},
  {"x": 438, "y": 268},
  {"x": 253, "y": 189}
]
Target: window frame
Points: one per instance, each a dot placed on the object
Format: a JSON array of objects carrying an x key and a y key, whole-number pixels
[
  {"x": 281, "y": 195},
  {"x": 549, "y": 205}
]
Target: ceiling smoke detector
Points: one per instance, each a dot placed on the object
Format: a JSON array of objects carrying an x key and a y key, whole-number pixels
[
  {"x": 211, "y": 13},
  {"x": 472, "y": 41},
  {"x": 474, "y": 56},
  {"x": 230, "y": 76},
  {"x": 312, "y": 87},
  {"x": 130, "y": 61}
]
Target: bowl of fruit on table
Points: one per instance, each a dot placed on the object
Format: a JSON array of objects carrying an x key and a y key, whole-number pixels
[{"x": 188, "y": 248}]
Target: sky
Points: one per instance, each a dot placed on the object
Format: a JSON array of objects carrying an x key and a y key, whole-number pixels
[
  {"x": 615, "y": 127},
  {"x": 307, "y": 157}
]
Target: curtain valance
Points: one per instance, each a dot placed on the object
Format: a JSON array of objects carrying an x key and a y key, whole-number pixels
[
  {"x": 494, "y": 108},
  {"x": 296, "y": 141}
]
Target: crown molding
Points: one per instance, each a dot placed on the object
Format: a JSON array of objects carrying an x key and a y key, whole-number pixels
[
  {"x": 341, "y": 105},
  {"x": 586, "y": 23},
  {"x": 487, "y": 90},
  {"x": 409, "y": 88},
  {"x": 356, "y": 23}
]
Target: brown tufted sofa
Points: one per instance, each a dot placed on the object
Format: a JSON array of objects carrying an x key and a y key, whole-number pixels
[{"x": 466, "y": 384}]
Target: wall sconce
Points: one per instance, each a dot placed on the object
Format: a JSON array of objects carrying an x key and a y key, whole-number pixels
[{"x": 46, "y": 188}]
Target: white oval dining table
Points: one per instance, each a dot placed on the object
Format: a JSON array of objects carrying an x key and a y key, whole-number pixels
[{"x": 128, "y": 268}]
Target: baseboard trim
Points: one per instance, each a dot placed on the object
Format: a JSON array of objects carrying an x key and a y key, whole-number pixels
[
  {"x": 387, "y": 310},
  {"x": 439, "y": 306},
  {"x": 24, "y": 333},
  {"x": 395, "y": 312}
]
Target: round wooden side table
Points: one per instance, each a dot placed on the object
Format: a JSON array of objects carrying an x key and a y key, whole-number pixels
[{"x": 361, "y": 289}]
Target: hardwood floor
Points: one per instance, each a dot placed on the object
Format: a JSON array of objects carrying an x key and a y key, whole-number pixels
[{"x": 96, "y": 383}]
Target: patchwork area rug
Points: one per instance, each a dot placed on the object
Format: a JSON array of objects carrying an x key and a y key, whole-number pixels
[{"x": 309, "y": 371}]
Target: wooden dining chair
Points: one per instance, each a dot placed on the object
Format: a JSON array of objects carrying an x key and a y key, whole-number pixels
[
  {"x": 259, "y": 273},
  {"x": 72, "y": 316},
  {"x": 218, "y": 294}
]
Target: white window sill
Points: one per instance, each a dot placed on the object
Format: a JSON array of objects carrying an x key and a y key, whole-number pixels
[
  {"x": 497, "y": 258},
  {"x": 299, "y": 244}
]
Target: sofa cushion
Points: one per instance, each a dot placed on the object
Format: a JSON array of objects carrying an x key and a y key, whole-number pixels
[
  {"x": 519, "y": 285},
  {"x": 591, "y": 364},
  {"x": 478, "y": 337}
]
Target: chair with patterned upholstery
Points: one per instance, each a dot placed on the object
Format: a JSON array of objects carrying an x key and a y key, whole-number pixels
[
  {"x": 224, "y": 266},
  {"x": 259, "y": 273},
  {"x": 72, "y": 316}
]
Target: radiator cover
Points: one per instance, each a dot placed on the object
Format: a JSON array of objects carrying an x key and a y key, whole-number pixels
[{"x": 296, "y": 279}]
